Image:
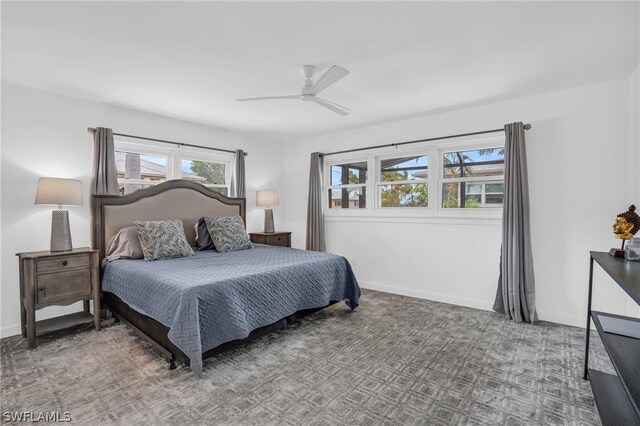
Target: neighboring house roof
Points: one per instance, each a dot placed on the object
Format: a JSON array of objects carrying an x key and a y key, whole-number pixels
[{"x": 151, "y": 169}]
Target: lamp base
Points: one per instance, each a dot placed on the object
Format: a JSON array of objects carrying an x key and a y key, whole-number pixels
[
  {"x": 60, "y": 232},
  {"x": 268, "y": 221}
]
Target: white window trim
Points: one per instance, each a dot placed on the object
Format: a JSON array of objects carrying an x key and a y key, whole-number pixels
[
  {"x": 468, "y": 145},
  {"x": 327, "y": 183},
  {"x": 176, "y": 155},
  {"x": 434, "y": 213}
]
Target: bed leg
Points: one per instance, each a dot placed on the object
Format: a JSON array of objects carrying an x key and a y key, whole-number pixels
[{"x": 172, "y": 363}]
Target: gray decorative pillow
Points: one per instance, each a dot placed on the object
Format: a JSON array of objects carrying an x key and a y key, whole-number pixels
[
  {"x": 228, "y": 233},
  {"x": 125, "y": 245},
  {"x": 162, "y": 239},
  {"x": 203, "y": 239}
]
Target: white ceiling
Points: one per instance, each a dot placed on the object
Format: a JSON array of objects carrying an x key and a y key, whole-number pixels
[{"x": 191, "y": 60}]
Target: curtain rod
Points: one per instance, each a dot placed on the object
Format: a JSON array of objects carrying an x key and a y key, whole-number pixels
[
  {"x": 92, "y": 130},
  {"x": 394, "y": 145}
]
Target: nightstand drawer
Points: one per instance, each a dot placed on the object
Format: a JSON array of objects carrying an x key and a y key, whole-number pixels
[
  {"x": 61, "y": 263},
  {"x": 281, "y": 239},
  {"x": 63, "y": 285},
  {"x": 278, "y": 240}
]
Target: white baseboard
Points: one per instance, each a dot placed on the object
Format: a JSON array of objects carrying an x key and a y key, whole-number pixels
[
  {"x": 564, "y": 319},
  {"x": 43, "y": 314},
  {"x": 428, "y": 295},
  {"x": 470, "y": 303},
  {"x": 9, "y": 330}
]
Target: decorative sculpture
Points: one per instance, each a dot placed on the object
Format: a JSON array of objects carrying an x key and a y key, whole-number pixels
[
  {"x": 622, "y": 229},
  {"x": 626, "y": 226}
]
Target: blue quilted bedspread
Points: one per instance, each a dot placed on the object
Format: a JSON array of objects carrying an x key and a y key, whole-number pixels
[{"x": 212, "y": 298}]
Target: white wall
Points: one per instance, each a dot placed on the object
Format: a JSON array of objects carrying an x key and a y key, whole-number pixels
[
  {"x": 580, "y": 178},
  {"x": 45, "y": 135},
  {"x": 634, "y": 135},
  {"x": 584, "y": 164}
]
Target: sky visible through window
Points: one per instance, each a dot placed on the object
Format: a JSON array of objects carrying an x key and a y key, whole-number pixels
[
  {"x": 162, "y": 161},
  {"x": 354, "y": 172},
  {"x": 412, "y": 162},
  {"x": 186, "y": 166},
  {"x": 473, "y": 156},
  {"x": 396, "y": 164}
]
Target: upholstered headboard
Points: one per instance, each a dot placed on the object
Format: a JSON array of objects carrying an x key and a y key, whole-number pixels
[{"x": 174, "y": 199}]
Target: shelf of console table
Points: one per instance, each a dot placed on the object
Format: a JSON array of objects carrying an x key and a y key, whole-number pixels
[{"x": 617, "y": 396}]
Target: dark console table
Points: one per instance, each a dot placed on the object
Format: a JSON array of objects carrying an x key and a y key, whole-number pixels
[{"x": 617, "y": 397}]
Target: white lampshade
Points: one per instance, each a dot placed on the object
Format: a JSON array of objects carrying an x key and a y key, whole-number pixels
[
  {"x": 58, "y": 191},
  {"x": 267, "y": 198}
]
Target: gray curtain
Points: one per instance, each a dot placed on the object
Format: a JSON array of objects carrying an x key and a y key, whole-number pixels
[
  {"x": 516, "y": 286},
  {"x": 238, "y": 179},
  {"x": 105, "y": 175},
  {"x": 315, "y": 219}
]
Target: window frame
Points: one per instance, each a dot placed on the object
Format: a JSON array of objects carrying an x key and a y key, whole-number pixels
[
  {"x": 227, "y": 170},
  {"x": 380, "y": 183},
  {"x": 175, "y": 157},
  {"x": 483, "y": 193},
  {"x": 341, "y": 160},
  {"x": 481, "y": 179},
  {"x": 434, "y": 151}
]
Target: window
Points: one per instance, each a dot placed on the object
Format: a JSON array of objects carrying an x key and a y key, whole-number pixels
[
  {"x": 453, "y": 179},
  {"x": 207, "y": 173},
  {"x": 472, "y": 178},
  {"x": 137, "y": 170},
  {"x": 403, "y": 182},
  {"x": 141, "y": 166},
  {"x": 348, "y": 186}
]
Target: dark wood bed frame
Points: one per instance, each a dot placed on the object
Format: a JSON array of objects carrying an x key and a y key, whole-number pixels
[{"x": 104, "y": 208}]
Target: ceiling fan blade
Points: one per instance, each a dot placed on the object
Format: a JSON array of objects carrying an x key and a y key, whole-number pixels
[
  {"x": 266, "y": 98},
  {"x": 330, "y": 77},
  {"x": 334, "y": 104},
  {"x": 338, "y": 109}
]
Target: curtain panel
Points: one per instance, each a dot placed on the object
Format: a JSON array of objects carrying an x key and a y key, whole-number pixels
[
  {"x": 104, "y": 180},
  {"x": 237, "y": 187},
  {"x": 315, "y": 218},
  {"x": 516, "y": 286}
]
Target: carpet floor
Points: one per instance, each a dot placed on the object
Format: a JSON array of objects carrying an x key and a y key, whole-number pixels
[{"x": 396, "y": 360}]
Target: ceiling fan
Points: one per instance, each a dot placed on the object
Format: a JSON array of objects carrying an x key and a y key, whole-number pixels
[{"x": 311, "y": 89}]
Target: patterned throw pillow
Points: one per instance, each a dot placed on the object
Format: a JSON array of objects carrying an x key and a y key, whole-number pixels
[
  {"x": 162, "y": 239},
  {"x": 228, "y": 233}
]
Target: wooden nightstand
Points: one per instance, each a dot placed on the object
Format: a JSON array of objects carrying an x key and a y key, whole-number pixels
[
  {"x": 63, "y": 278},
  {"x": 277, "y": 238}
]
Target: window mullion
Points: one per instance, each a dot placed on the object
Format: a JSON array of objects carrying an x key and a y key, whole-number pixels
[
  {"x": 348, "y": 186},
  {"x": 401, "y": 182},
  {"x": 433, "y": 177},
  {"x": 486, "y": 179},
  {"x": 174, "y": 165}
]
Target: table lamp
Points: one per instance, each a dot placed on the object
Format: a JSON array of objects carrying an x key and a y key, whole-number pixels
[
  {"x": 60, "y": 192},
  {"x": 267, "y": 198}
]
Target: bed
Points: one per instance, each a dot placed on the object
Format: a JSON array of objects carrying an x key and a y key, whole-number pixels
[{"x": 196, "y": 307}]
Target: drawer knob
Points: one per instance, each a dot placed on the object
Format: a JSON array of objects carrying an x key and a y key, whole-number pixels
[
  {"x": 65, "y": 262},
  {"x": 40, "y": 288}
]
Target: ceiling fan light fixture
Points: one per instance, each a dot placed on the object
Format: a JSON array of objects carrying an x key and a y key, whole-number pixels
[{"x": 311, "y": 89}]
